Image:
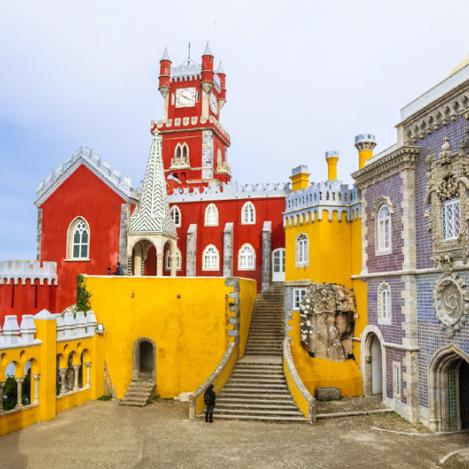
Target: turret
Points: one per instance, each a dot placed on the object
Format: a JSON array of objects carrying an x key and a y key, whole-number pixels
[
  {"x": 332, "y": 158},
  {"x": 222, "y": 95},
  {"x": 207, "y": 69},
  {"x": 364, "y": 143},
  {"x": 299, "y": 178},
  {"x": 165, "y": 72}
]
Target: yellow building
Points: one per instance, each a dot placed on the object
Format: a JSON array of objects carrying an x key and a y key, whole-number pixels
[{"x": 323, "y": 246}]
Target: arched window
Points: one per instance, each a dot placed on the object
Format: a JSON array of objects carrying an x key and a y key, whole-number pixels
[
  {"x": 451, "y": 219},
  {"x": 246, "y": 257},
  {"x": 79, "y": 240},
  {"x": 248, "y": 214},
  {"x": 210, "y": 258},
  {"x": 168, "y": 259},
  {"x": 384, "y": 303},
  {"x": 175, "y": 214},
  {"x": 211, "y": 215},
  {"x": 383, "y": 230},
  {"x": 302, "y": 250}
]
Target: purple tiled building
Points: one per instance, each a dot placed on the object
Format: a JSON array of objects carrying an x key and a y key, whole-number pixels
[{"x": 415, "y": 216}]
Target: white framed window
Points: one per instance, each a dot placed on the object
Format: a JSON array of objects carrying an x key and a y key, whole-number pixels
[
  {"x": 211, "y": 215},
  {"x": 451, "y": 219},
  {"x": 246, "y": 257},
  {"x": 168, "y": 259},
  {"x": 396, "y": 379},
  {"x": 383, "y": 230},
  {"x": 248, "y": 214},
  {"x": 210, "y": 258},
  {"x": 298, "y": 295},
  {"x": 302, "y": 250},
  {"x": 175, "y": 214},
  {"x": 79, "y": 240},
  {"x": 384, "y": 303}
]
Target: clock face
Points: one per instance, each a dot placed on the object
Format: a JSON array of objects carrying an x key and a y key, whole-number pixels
[
  {"x": 185, "y": 97},
  {"x": 213, "y": 103}
]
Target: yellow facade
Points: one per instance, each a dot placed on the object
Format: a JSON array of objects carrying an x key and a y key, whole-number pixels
[
  {"x": 334, "y": 256},
  {"x": 187, "y": 318},
  {"x": 43, "y": 355}
]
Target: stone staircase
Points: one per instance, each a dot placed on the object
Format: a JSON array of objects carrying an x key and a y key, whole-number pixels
[
  {"x": 257, "y": 389},
  {"x": 139, "y": 392}
]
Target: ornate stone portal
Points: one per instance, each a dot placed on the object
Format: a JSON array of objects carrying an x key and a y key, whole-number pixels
[{"x": 327, "y": 321}]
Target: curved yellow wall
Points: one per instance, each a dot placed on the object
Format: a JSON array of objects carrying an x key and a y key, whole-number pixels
[{"x": 187, "y": 318}]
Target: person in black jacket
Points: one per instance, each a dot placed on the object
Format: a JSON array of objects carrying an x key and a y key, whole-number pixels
[{"x": 209, "y": 399}]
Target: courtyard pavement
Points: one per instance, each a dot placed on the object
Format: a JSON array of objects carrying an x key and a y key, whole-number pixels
[{"x": 104, "y": 435}]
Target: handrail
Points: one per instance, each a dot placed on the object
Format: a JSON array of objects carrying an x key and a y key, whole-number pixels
[
  {"x": 305, "y": 394},
  {"x": 232, "y": 347}
]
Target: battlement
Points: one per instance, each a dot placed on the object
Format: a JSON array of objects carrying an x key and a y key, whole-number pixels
[
  {"x": 172, "y": 124},
  {"x": 189, "y": 72},
  {"x": 332, "y": 196},
  {"x": 102, "y": 168},
  {"x": 231, "y": 190},
  {"x": 365, "y": 140},
  {"x": 12, "y": 334},
  {"x": 13, "y": 271},
  {"x": 70, "y": 326}
]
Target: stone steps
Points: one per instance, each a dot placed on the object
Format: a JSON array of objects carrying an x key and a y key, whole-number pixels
[
  {"x": 139, "y": 393},
  {"x": 257, "y": 389}
]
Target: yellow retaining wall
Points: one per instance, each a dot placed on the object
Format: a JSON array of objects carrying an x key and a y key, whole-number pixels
[
  {"x": 43, "y": 363},
  {"x": 320, "y": 372},
  {"x": 247, "y": 298},
  {"x": 187, "y": 319}
]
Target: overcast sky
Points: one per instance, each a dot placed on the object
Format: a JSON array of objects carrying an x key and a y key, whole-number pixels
[{"x": 302, "y": 77}]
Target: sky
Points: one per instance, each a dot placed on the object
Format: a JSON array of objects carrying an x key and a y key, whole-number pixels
[{"x": 303, "y": 77}]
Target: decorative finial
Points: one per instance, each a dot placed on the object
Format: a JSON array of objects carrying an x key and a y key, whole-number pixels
[
  {"x": 207, "y": 50},
  {"x": 165, "y": 54},
  {"x": 188, "y": 53}
]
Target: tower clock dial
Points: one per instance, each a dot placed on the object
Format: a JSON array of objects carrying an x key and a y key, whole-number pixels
[
  {"x": 185, "y": 97},
  {"x": 213, "y": 103}
]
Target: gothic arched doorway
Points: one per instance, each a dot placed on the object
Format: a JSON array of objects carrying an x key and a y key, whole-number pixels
[{"x": 449, "y": 390}]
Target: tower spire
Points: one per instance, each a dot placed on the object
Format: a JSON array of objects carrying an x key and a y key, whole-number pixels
[
  {"x": 207, "y": 50},
  {"x": 165, "y": 55}
]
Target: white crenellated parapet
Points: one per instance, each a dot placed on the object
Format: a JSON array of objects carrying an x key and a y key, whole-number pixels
[
  {"x": 77, "y": 325},
  {"x": 330, "y": 196},
  {"x": 14, "y": 335},
  {"x": 231, "y": 190},
  {"x": 89, "y": 157},
  {"x": 14, "y": 271}
]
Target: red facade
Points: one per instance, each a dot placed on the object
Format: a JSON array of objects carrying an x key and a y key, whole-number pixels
[{"x": 84, "y": 195}]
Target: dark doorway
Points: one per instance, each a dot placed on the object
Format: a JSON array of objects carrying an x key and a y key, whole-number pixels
[
  {"x": 464, "y": 394},
  {"x": 146, "y": 357}
]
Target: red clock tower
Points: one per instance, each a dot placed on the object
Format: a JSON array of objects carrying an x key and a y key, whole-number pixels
[{"x": 194, "y": 142}]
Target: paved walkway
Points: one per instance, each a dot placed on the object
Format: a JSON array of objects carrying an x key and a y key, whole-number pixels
[{"x": 104, "y": 435}]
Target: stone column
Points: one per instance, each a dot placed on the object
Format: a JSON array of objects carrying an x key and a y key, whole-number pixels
[
  {"x": 2, "y": 383},
  {"x": 36, "y": 378},
  {"x": 19, "y": 393},
  {"x": 76, "y": 371},
  {"x": 88, "y": 374},
  {"x": 228, "y": 250},
  {"x": 173, "y": 261},
  {"x": 266, "y": 254},
  {"x": 191, "y": 250},
  {"x": 159, "y": 262},
  {"x": 123, "y": 231},
  {"x": 62, "y": 372}
]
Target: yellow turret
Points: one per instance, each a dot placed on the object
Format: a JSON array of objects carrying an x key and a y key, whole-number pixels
[
  {"x": 364, "y": 143},
  {"x": 299, "y": 178},
  {"x": 332, "y": 158}
]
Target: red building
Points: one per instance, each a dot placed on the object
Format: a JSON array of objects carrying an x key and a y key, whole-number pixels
[{"x": 223, "y": 228}]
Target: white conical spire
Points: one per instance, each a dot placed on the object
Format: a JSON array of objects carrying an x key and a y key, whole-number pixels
[
  {"x": 220, "y": 68},
  {"x": 165, "y": 54},
  {"x": 207, "y": 50},
  {"x": 152, "y": 213}
]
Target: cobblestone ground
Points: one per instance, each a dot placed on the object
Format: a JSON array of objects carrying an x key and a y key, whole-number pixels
[{"x": 102, "y": 435}]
